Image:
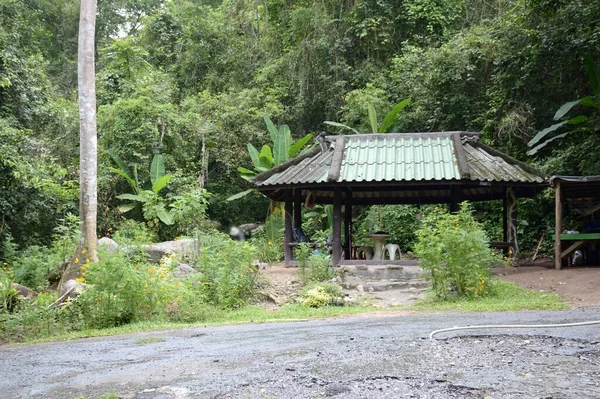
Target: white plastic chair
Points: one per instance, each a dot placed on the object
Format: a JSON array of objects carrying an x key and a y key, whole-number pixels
[{"x": 392, "y": 250}]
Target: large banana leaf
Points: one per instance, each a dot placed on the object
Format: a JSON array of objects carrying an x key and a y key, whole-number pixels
[
  {"x": 124, "y": 175},
  {"x": 240, "y": 195},
  {"x": 266, "y": 157},
  {"x": 297, "y": 146},
  {"x": 253, "y": 155},
  {"x": 122, "y": 165},
  {"x": 281, "y": 146},
  {"x": 593, "y": 73},
  {"x": 390, "y": 119},
  {"x": 157, "y": 169},
  {"x": 132, "y": 197},
  {"x": 127, "y": 207},
  {"x": 273, "y": 131},
  {"x": 161, "y": 183},
  {"x": 566, "y": 107},
  {"x": 341, "y": 125},
  {"x": 373, "y": 118},
  {"x": 165, "y": 216},
  {"x": 538, "y": 137}
]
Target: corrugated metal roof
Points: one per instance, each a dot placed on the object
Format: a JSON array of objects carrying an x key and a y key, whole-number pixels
[{"x": 397, "y": 157}]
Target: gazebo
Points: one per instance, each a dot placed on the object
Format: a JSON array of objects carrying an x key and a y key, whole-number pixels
[{"x": 397, "y": 168}]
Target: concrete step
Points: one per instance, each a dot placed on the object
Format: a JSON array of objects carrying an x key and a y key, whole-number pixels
[
  {"x": 409, "y": 286},
  {"x": 367, "y": 273}
]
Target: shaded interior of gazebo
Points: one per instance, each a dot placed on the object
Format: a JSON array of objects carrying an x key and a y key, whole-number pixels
[
  {"x": 397, "y": 168},
  {"x": 584, "y": 192}
]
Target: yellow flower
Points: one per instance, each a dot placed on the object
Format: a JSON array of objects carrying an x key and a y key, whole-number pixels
[
  {"x": 472, "y": 250},
  {"x": 76, "y": 260},
  {"x": 99, "y": 298},
  {"x": 179, "y": 298},
  {"x": 80, "y": 280},
  {"x": 84, "y": 251}
]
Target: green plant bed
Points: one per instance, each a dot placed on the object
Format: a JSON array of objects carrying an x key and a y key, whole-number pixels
[{"x": 506, "y": 296}]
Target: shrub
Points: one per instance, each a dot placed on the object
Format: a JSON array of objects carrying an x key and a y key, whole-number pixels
[
  {"x": 455, "y": 250},
  {"x": 133, "y": 232},
  {"x": 266, "y": 250},
  {"x": 124, "y": 288},
  {"x": 319, "y": 267},
  {"x": 228, "y": 277},
  {"x": 322, "y": 294}
]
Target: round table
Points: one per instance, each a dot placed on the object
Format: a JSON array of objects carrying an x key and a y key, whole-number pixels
[{"x": 378, "y": 240}]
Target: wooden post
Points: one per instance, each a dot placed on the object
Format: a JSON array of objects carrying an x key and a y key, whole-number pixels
[
  {"x": 337, "y": 227},
  {"x": 298, "y": 208},
  {"x": 287, "y": 238},
  {"x": 348, "y": 225},
  {"x": 455, "y": 198},
  {"x": 558, "y": 228},
  {"x": 511, "y": 220},
  {"x": 505, "y": 217}
]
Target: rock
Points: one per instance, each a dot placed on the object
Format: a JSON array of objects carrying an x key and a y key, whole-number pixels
[
  {"x": 23, "y": 291},
  {"x": 184, "y": 270},
  {"x": 360, "y": 288},
  {"x": 72, "y": 289},
  {"x": 180, "y": 247},
  {"x": 108, "y": 243}
]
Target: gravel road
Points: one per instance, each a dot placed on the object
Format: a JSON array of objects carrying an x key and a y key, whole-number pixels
[{"x": 359, "y": 357}]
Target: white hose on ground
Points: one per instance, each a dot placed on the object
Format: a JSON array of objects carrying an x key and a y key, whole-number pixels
[{"x": 583, "y": 323}]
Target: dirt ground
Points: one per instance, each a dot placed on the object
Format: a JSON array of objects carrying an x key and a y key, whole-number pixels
[{"x": 579, "y": 285}]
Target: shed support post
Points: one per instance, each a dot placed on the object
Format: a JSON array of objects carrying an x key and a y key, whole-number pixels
[
  {"x": 348, "y": 225},
  {"x": 558, "y": 228},
  {"x": 510, "y": 216},
  {"x": 455, "y": 198},
  {"x": 337, "y": 227},
  {"x": 287, "y": 237},
  {"x": 298, "y": 208}
]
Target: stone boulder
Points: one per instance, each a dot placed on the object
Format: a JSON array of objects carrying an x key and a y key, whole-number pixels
[
  {"x": 108, "y": 243},
  {"x": 179, "y": 247},
  {"x": 184, "y": 270},
  {"x": 23, "y": 291},
  {"x": 71, "y": 289}
]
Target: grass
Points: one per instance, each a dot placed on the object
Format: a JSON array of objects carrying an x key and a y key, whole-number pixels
[
  {"x": 150, "y": 340},
  {"x": 507, "y": 297}
]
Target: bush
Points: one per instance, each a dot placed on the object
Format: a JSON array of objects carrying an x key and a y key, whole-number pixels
[
  {"x": 124, "y": 289},
  {"x": 266, "y": 250},
  {"x": 228, "y": 277},
  {"x": 322, "y": 294},
  {"x": 131, "y": 232},
  {"x": 455, "y": 250}
]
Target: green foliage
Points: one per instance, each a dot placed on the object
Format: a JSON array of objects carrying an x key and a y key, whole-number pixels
[
  {"x": 317, "y": 295},
  {"x": 266, "y": 250},
  {"x": 228, "y": 278},
  {"x": 131, "y": 232},
  {"x": 399, "y": 221},
  {"x": 455, "y": 251},
  {"x": 302, "y": 252},
  {"x": 7, "y": 292},
  {"x": 580, "y": 123}
]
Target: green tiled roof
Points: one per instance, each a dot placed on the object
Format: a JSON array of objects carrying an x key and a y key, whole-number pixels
[
  {"x": 397, "y": 157},
  {"x": 401, "y": 157}
]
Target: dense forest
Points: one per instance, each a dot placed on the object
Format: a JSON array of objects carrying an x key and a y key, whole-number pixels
[{"x": 192, "y": 79}]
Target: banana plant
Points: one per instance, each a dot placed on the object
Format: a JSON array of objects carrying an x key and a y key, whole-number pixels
[
  {"x": 268, "y": 157},
  {"x": 388, "y": 124},
  {"x": 153, "y": 205},
  {"x": 579, "y": 123}
]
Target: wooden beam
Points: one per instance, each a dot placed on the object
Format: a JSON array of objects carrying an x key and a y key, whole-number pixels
[
  {"x": 336, "y": 160},
  {"x": 505, "y": 217},
  {"x": 348, "y": 224},
  {"x": 558, "y": 227},
  {"x": 337, "y": 227},
  {"x": 287, "y": 237}
]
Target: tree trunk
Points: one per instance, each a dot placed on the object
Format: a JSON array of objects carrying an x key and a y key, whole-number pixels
[{"x": 88, "y": 198}]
